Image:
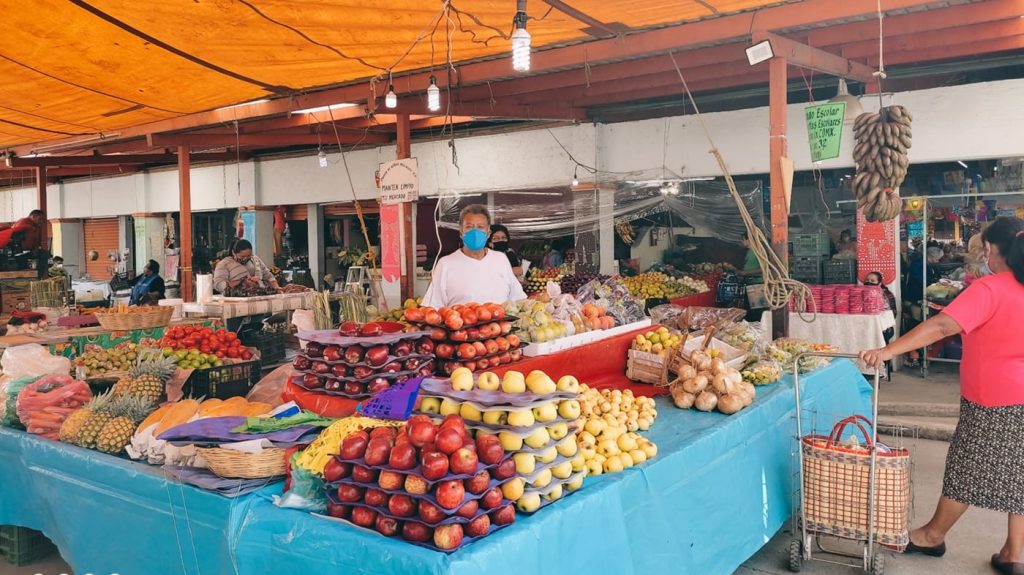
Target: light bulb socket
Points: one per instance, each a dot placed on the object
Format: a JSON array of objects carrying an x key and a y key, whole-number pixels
[{"x": 391, "y": 98}]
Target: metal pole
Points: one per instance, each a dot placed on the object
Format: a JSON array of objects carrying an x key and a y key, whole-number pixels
[{"x": 185, "y": 213}]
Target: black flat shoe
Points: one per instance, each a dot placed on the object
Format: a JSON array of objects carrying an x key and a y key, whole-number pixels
[
  {"x": 936, "y": 551},
  {"x": 1007, "y": 567}
]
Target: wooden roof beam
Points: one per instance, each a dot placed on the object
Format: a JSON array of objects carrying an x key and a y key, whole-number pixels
[
  {"x": 112, "y": 160},
  {"x": 805, "y": 56},
  {"x": 937, "y": 38},
  {"x": 482, "y": 110},
  {"x": 261, "y": 140}
]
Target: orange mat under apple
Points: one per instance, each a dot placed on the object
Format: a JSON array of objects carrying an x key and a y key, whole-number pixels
[{"x": 601, "y": 365}]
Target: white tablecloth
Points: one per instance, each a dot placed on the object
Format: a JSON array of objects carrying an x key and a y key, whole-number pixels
[
  {"x": 265, "y": 304},
  {"x": 90, "y": 291},
  {"x": 851, "y": 333}
]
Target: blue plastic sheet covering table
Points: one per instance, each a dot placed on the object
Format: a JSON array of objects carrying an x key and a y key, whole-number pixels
[{"x": 719, "y": 489}]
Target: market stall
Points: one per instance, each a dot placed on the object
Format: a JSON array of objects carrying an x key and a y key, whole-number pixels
[{"x": 652, "y": 519}]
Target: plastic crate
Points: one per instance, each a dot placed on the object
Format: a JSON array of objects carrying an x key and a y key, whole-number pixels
[
  {"x": 223, "y": 382},
  {"x": 22, "y": 546},
  {"x": 840, "y": 272},
  {"x": 806, "y": 270},
  {"x": 729, "y": 294},
  {"x": 270, "y": 344},
  {"x": 810, "y": 245}
]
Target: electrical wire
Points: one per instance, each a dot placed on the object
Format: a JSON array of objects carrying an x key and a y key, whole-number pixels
[{"x": 779, "y": 289}]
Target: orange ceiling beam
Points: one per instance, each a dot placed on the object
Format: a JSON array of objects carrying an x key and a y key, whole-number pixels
[
  {"x": 938, "y": 38},
  {"x": 956, "y": 51},
  {"x": 804, "y": 56},
  {"x": 114, "y": 160},
  {"x": 259, "y": 140},
  {"x": 635, "y": 45}
]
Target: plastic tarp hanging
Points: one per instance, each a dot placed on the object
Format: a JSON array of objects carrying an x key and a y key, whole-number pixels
[{"x": 707, "y": 206}]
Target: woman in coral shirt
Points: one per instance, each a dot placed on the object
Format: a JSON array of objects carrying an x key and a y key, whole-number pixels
[{"x": 985, "y": 464}]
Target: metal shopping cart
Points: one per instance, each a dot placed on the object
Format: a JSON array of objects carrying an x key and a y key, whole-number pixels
[{"x": 849, "y": 490}]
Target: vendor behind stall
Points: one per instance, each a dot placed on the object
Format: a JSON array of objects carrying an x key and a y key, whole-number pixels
[
  {"x": 242, "y": 267},
  {"x": 148, "y": 288},
  {"x": 473, "y": 273},
  {"x": 751, "y": 271},
  {"x": 499, "y": 243}
]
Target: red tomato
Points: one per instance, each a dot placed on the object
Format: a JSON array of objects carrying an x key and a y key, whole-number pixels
[
  {"x": 219, "y": 354},
  {"x": 246, "y": 355},
  {"x": 233, "y": 353}
]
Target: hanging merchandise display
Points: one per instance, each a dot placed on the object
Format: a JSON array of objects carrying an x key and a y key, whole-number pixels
[{"x": 883, "y": 140}]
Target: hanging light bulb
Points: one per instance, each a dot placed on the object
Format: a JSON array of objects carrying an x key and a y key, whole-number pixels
[
  {"x": 322, "y": 157},
  {"x": 520, "y": 42},
  {"x": 391, "y": 98},
  {"x": 433, "y": 96},
  {"x": 575, "y": 179}
]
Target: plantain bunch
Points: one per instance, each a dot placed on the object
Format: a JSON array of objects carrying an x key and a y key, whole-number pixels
[{"x": 880, "y": 154}]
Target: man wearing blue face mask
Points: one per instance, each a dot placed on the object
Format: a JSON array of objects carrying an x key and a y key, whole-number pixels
[{"x": 473, "y": 273}]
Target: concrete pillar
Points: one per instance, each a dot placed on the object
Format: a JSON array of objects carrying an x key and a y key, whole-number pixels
[
  {"x": 259, "y": 230},
  {"x": 149, "y": 242},
  {"x": 315, "y": 232},
  {"x": 69, "y": 243}
]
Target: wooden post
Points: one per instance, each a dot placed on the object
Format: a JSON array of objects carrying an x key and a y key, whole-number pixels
[
  {"x": 778, "y": 149},
  {"x": 44, "y": 234},
  {"x": 404, "y": 150},
  {"x": 185, "y": 213}
]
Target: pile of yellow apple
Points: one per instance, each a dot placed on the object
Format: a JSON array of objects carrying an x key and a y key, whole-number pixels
[
  {"x": 610, "y": 419},
  {"x": 546, "y": 433},
  {"x": 660, "y": 341}
]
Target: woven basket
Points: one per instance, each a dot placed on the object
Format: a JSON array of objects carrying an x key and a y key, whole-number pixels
[
  {"x": 144, "y": 318},
  {"x": 836, "y": 488},
  {"x": 235, "y": 464}
]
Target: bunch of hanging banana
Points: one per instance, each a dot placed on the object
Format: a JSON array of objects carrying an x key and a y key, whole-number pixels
[
  {"x": 626, "y": 232},
  {"x": 883, "y": 140}
]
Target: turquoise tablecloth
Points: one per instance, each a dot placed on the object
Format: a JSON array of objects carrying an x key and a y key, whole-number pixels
[{"x": 719, "y": 488}]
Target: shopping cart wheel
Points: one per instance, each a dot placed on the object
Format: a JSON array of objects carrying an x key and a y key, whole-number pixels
[
  {"x": 878, "y": 564},
  {"x": 796, "y": 556}
]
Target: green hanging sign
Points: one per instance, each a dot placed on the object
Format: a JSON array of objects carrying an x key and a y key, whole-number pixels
[{"x": 825, "y": 129}]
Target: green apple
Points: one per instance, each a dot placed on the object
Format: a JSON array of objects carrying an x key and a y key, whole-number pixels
[
  {"x": 562, "y": 470},
  {"x": 529, "y": 502},
  {"x": 541, "y": 479},
  {"x": 168, "y": 352},
  {"x": 510, "y": 441},
  {"x": 488, "y": 381},
  {"x": 430, "y": 405},
  {"x": 521, "y": 418},
  {"x": 554, "y": 494},
  {"x": 470, "y": 413},
  {"x": 569, "y": 409},
  {"x": 547, "y": 455},
  {"x": 567, "y": 447},
  {"x": 558, "y": 430},
  {"x": 525, "y": 463},
  {"x": 513, "y": 382},
  {"x": 537, "y": 438},
  {"x": 450, "y": 407},
  {"x": 568, "y": 384},
  {"x": 496, "y": 417},
  {"x": 545, "y": 413}
]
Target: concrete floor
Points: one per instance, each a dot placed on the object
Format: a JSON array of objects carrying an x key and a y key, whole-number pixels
[{"x": 971, "y": 543}]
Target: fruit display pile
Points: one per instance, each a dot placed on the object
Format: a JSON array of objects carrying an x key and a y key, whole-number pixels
[
  {"x": 572, "y": 283},
  {"x": 532, "y": 417},
  {"x": 660, "y": 285},
  {"x": 607, "y": 439},
  {"x": 398, "y": 313},
  {"x": 785, "y": 350},
  {"x": 660, "y": 341},
  {"x": 211, "y": 343},
  {"x": 363, "y": 362},
  {"x": 537, "y": 280},
  {"x": 561, "y": 316},
  {"x": 430, "y": 484},
  {"x": 474, "y": 336},
  {"x": 706, "y": 383},
  {"x": 246, "y": 289},
  {"x": 97, "y": 362}
]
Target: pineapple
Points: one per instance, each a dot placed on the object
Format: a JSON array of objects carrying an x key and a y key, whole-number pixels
[
  {"x": 122, "y": 386},
  {"x": 72, "y": 426},
  {"x": 126, "y": 414},
  {"x": 91, "y": 429},
  {"x": 150, "y": 376}
]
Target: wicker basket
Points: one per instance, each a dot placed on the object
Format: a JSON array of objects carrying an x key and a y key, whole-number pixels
[
  {"x": 235, "y": 464},
  {"x": 836, "y": 487},
  {"x": 144, "y": 318}
]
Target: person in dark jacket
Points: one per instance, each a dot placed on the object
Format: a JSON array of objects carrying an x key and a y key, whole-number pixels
[{"x": 148, "y": 287}]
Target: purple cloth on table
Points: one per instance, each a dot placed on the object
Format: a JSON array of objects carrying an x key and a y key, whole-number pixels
[
  {"x": 217, "y": 430},
  {"x": 206, "y": 479}
]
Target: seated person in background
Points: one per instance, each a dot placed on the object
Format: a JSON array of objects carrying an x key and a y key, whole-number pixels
[
  {"x": 242, "y": 266},
  {"x": 148, "y": 287},
  {"x": 875, "y": 279}
]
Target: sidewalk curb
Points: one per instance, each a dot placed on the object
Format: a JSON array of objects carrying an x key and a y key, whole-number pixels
[
  {"x": 938, "y": 431},
  {"x": 919, "y": 409}
]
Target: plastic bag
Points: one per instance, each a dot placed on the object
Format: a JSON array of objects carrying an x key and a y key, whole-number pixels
[
  {"x": 304, "y": 489},
  {"x": 9, "y": 390},
  {"x": 762, "y": 372},
  {"x": 667, "y": 315},
  {"x": 699, "y": 318},
  {"x": 145, "y": 446},
  {"x": 304, "y": 320},
  {"x": 741, "y": 335},
  {"x": 32, "y": 360},
  {"x": 44, "y": 404},
  {"x": 612, "y": 295},
  {"x": 269, "y": 389},
  {"x": 785, "y": 349}
]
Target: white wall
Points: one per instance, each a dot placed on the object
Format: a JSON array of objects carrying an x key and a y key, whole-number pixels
[{"x": 961, "y": 122}]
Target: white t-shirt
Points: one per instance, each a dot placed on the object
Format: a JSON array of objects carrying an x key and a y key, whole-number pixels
[{"x": 458, "y": 278}]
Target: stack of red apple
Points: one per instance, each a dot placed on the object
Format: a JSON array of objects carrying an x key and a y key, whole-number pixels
[
  {"x": 430, "y": 484},
  {"x": 360, "y": 366},
  {"x": 476, "y": 336}
]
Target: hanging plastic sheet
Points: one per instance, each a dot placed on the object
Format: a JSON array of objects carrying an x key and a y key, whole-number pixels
[{"x": 707, "y": 206}]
